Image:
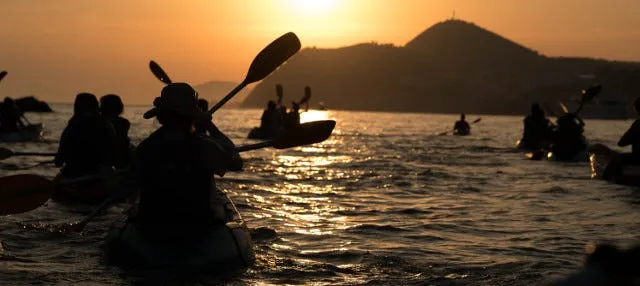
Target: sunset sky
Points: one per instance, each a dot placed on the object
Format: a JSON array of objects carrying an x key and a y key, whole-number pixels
[{"x": 54, "y": 49}]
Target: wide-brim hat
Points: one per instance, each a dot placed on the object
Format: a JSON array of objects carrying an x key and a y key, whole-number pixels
[{"x": 178, "y": 98}]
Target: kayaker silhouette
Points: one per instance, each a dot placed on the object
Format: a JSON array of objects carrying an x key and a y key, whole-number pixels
[
  {"x": 537, "y": 130},
  {"x": 175, "y": 167},
  {"x": 461, "y": 127},
  {"x": 292, "y": 119},
  {"x": 88, "y": 142},
  {"x": 271, "y": 121},
  {"x": 111, "y": 109},
  {"x": 282, "y": 109},
  {"x": 568, "y": 139},
  {"x": 632, "y": 137},
  {"x": 10, "y": 116},
  {"x": 206, "y": 126}
]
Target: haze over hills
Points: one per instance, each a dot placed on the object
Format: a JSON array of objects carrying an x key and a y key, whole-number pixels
[
  {"x": 216, "y": 90},
  {"x": 454, "y": 66}
]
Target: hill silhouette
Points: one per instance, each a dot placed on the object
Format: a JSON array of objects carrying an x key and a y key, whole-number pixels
[
  {"x": 454, "y": 66},
  {"x": 216, "y": 90}
]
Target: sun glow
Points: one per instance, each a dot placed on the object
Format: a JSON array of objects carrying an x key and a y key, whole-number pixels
[
  {"x": 312, "y": 7},
  {"x": 313, "y": 115}
]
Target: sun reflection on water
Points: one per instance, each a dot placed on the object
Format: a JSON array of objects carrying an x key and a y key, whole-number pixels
[{"x": 313, "y": 115}]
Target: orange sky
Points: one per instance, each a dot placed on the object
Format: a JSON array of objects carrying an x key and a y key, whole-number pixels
[{"x": 54, "y": 49}]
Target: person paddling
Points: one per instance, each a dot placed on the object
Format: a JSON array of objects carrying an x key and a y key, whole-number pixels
[
  {"x": 174, "y": 167},
  {"x": 568, "y": 139},
  {"x": 281, "y": 108},
  {"x": 111, "y": 109},
  {"x": 10, "y": 116},
  {"x": 537, "y": 129},
  {"x": 461, "y": 126},
  {"x": 271, "y": 121},
  {"x": 206, "y": 127},
  {"x": 88, "y": 143},
  {"x": 292, "y": 120},
  {"x": 632, "y": 137}
]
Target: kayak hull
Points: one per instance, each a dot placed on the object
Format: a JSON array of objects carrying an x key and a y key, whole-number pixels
[
  {"x": 606, "y": 164},
  {"x": 89, "y": 192},
  {"x": 225, "y": 247},
  {"x": 461, "y": 132},
  {"x": 260, "y": 134},
  {"x": 29, "y": 133}
]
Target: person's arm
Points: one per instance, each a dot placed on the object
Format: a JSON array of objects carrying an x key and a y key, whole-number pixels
[
  {"x": 63, "y": 148},
  {"x": 580, "y": 121},
  {"x": 629, "y": 136},
  {"x": 218, "y": 159},
  {"x": 111, "y": 145}
]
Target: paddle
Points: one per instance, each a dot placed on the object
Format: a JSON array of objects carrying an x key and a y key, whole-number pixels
[
  {"x": 159, "y": 72},
  {"x": 6, "y": 153},
  {"x": 2, "y": 74},
  {"x": 587, "y": 95},
  {"x": 39, "y": 189},
  {"x": 268, "y": 60},
  {"x": 22, "y": 193},
  {"x": 304, "y": 134},
  {"x": 305, "y": 98},
  {"x": 446, "y": 132}
]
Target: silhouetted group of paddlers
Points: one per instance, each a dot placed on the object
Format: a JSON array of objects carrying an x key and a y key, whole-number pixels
[{"x": 276, "y": 120}]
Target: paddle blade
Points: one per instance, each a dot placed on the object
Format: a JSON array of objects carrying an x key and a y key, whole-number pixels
[
  {"x": 306, "y": 97},
  {"x": 3, "y": 74},
  {"x": 476, "y": 121},
  {"x": 5, "y": 153},
  {"x": 589, "y": 93},
  {"x": 272, "y": 56},
  {"x": 22, "y": 193},
  {"x": 305, "y": 134},
  {"x": 159, "y": 72}
]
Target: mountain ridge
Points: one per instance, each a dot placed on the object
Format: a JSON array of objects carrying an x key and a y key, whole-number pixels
[{"x": 453, "y": 66}]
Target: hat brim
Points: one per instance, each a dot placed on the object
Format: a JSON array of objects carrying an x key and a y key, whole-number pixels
[{"x": 153, "y": 112}]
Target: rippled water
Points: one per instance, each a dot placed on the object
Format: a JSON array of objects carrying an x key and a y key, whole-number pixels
[{"x": 383, "y": 201}]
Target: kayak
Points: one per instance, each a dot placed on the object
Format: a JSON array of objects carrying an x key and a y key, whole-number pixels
[
  {"x": 31, "y": 132},
  {"x": 607, "y": 165},
  {"x": 582, "y": 156},
  {"x": 90, "y": 190},
  {"x": 258, "y": 133},
  {"x": 523, "y": 146},
  {"x": 461, "y": 132},
  {"x": 225, "y": 247}
]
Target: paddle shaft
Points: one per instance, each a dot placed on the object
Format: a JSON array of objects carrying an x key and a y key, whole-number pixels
[
  {"x": 445, "y": 132},
  {"x": 227, "y": 97},
  {"x": 34, "y": 154}
]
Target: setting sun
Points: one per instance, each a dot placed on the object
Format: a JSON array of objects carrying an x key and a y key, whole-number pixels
[{"x": 312, "y": 7}]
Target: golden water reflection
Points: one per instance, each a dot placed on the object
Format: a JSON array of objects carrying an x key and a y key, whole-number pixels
[{"x": 313, "y": 115}]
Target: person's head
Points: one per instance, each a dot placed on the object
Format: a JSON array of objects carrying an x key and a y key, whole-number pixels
[
  {"x": 176, "y": 107},
  {"x": 111, "y": 105},
  {"x": 462, "y": 116},
  {"x": 271, "y": 105},
  {"x": 203, "y": 105},
  {"x": 86, "y": 105},
  {"x": 636, "y": 105},
  {"x": 536, "y": 110},
  {"x": 295, "y": 106},
  {"x": 8, "y": 101}
]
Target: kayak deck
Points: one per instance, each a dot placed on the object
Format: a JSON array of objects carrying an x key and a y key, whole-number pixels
[
  {"x": 223, "y": 247},
  {"x": 607, "y": 164},
  {"x": 31, "y": 132}
]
